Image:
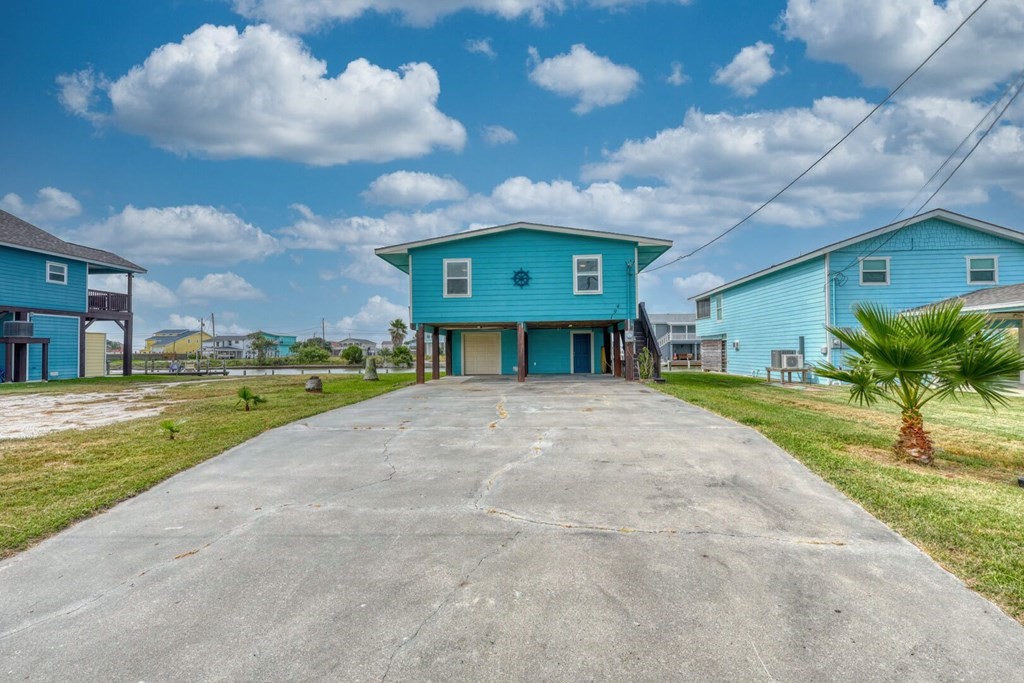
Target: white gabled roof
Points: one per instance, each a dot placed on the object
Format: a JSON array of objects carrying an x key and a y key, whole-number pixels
[
  {"x": 949, "y": 216},
  {"x": 650, "y": 247}
]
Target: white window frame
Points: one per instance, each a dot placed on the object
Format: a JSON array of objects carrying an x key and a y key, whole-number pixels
[
  {"x": 468, "y": 278},
  {"x": 575, "y": 274},
  {"x": 888, "y": 271},
  {"x": 995, "y": 269},
  {"x": 718, "y": 303},
  {"x": 63, "y": 266}
]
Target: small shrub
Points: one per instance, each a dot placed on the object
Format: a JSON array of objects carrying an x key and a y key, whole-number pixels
[
  {"x": 251, "y": 399},
  {"x": 645, "y": 359},
  {"x": 171, "y": 428}
]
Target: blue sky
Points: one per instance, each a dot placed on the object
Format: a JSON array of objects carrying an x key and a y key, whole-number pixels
[{"x": 252, "y": 153}]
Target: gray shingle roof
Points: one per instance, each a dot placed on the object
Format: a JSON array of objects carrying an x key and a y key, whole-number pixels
[
  {"x": 987, "y": 298},
  {"x": 17, "y": 233}
]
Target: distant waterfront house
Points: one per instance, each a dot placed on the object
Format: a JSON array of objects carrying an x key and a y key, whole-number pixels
[
  {"x": 677, "y": 335},
  {"x": 228, "y": 347},
  {"x": 785, "y": 308},
  {"x": 526, "y": 298},
  {"x": 369, "y": 348},
  {"x": 46, "y": 305},
  {"x": 176, "y": 342}
]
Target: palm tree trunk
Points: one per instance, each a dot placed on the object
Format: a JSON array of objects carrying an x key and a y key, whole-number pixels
[{"x": 914, "y": 442}]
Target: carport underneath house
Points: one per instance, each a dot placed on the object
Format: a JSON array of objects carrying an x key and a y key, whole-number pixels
[{"x": 526, "y": 298}]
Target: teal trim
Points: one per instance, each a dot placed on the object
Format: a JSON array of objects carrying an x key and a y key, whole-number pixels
[
  {"x": 63, "y": 334},
  {"x": 23, "y": 281}
]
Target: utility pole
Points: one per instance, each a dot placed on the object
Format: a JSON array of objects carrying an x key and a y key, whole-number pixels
[
  {"x": 323, "y": 329},
  {"x": 199, "y": 352}
]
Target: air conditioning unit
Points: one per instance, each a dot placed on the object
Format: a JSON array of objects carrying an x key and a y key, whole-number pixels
[
  {"x": 777, "y": 355},
  {"x": 792, "y": 361},
  {"x": 18, "y": 328}
]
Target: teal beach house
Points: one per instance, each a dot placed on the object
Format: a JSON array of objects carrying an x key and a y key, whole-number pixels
[
  {"x": 46, "y": 305},
  {"x": 525, "y": 298},
  {"x": 778, "y": 317}
]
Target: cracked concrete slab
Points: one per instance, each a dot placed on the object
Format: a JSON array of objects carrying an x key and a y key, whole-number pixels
[{"x": 468, "y": 530}]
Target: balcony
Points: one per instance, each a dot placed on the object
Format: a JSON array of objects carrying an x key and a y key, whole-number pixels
[{"x": 109, "y": 302}]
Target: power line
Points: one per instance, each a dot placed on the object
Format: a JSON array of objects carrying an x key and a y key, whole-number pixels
[
  {"x": 843, "y": 139},
  {"x": 1010, "y": 94}
]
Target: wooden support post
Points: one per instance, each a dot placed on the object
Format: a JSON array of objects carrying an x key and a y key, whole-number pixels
[
  {"x": 421, "y": 343},
  {"x": 9, "y": 362},
  {"x": 521, "y": 343},
  {"x": 46, "y": 361},
  {"x": 617, "y": 353},
  {"x": 126, "y": 347},
  {"x": 435, "y": 355},
  {"x": 630, "y": 374},
  {"x": 449, "y": 363},
  {"x": 82, "y": 327}
]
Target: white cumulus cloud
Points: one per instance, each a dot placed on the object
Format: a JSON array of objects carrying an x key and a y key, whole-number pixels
[
  {"x": 499, "y": 135},
  {"x": 51, "y": 204},
  {"x": 261, "y": 94},
  {"x": 595, "y": 81},
  {"x": 749, "y": 70},
  {"x": 372, "y": 320},
  {"x": 195, "y": 234},
  {"x": 223, "y": 286},
  {"x": 303, "y": 15},
  {"x": 677, "y": 77},
  {"x": 481, "y": 46},
  {"x": 408, "y": 188},
  {"x": 883, "y": 41},
  {"x": 698, "y": 283},
  {"x": 145, "y": 292}
]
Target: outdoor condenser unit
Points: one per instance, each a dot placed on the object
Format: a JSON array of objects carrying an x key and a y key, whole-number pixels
[
  {"x": 18, "y": 328},
  {"x": 792, "y": 361},
  {"x": 777, "y": 355}
]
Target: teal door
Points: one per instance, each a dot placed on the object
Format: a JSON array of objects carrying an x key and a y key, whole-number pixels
[{"x": 581, "y": 354}]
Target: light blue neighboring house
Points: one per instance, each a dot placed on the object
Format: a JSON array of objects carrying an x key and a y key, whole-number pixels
[
  {"x": 46, "y": 305},
  {"x": 786, "y": 308},
  {"x": 526, "y": 298}
]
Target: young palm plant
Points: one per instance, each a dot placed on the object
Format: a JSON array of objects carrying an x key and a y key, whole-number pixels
[
  {"x": 249, "y": 397},
  {"x": 911, "y": 359}
]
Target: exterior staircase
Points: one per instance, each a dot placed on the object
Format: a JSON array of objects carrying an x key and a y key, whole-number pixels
[{"x": 645, "y": 337}]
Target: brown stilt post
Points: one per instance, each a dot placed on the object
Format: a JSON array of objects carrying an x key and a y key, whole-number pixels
[
  {"x": 616, "y": 354},
  {"x": 126, "y": 348},
  {"x": 629, "y": 360},
  {"x": 448, "y": 362},
  {"x": 82, "y": 327},
  {"x": 46, "y": 361},
  {"x": 435, "y": 355},
  {"x": 521, "y": 337},
  {"x": 421, "y": 343}
]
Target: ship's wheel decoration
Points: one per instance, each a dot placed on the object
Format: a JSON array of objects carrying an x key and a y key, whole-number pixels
[{"x": 521, "y": 278}]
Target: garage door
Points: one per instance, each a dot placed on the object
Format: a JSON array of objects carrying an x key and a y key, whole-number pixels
[{"x": 481, "y": 354}]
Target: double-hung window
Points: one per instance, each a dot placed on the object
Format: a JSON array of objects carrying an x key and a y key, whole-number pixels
[
  {"x": 458, "y": 277},
  {"x": 874, "y": 271},
  {"x": 719, "y": 314},
  {"x": 57, "y": 273},
  {"x": 703, "y": 309},
  {"x": 982, "y": 270},
  {"x": 587, "y": 274}
]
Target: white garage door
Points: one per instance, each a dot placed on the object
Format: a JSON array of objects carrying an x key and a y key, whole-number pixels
[{"x": 481, "y": 353}]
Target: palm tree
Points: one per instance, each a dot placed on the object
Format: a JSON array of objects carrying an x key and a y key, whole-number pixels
[
  {"x": 397, "y": 330},
  {"x": 910, "y": 359}
]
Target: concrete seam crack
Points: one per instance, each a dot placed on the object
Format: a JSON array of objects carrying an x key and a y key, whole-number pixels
[{"x": 447, "y": 598}]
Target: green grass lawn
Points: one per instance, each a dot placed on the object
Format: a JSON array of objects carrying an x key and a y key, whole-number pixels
[
  {"x": 966, "y": 511},
  {"x": 49, "y": 482}
]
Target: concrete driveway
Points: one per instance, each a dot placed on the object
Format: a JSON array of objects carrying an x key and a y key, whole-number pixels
[{"x": 483, "y": 530}]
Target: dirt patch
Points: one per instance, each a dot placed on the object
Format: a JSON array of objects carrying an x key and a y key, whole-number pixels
[{"x": 29, "y": 415}]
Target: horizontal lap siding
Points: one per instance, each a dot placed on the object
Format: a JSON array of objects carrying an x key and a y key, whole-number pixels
[
  {"x": 548, "y": 296},
  {"x": 549, "y": 352},
  {"x": 23, "y": 281},
  {"x": 927, "y": 263},
  {"x": 63, "y": 335},
  {"x": 771, "y": 312}
]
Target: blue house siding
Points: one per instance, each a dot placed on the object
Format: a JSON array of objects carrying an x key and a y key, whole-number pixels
[
  {"x": 23, "y": 281},
  {"x": 548, "y": 257},
  {"x": 927, "y": 263},
  {"x": 63, "y": 361},
  {"x": 768, "y": 313}
]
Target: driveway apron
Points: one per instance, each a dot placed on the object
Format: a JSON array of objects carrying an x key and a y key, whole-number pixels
[{"x": 470, "y": 530}]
